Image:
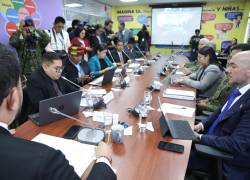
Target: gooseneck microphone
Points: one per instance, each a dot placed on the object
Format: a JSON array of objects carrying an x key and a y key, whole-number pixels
[
  {"x": 87, "y": 135},
  {"x": 126, "y": 55},
  {"x": 71, "y": 82},
  {"x": 111, "y": 56},
  {"x": 141, "y": 52}
]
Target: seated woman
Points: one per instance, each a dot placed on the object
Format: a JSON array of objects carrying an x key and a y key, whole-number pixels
[
  {"x": 100, "y": 63},
  {"x": 75, "y": 68},
  {"x": 81, "y": 40},
  {"x": 207, "y": 78}
]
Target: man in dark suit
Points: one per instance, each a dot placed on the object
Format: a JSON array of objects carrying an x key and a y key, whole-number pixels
[
  {"x": 76, "y": 68},
  {"x": 97, "y": 39},
  {"x": 131, "y": 51},
  {"x": 46, "y": 82},
  {"x": 23, "y": 159},
  {"x": 228, "y": 128},
  {"x": 117, "y": 54}
]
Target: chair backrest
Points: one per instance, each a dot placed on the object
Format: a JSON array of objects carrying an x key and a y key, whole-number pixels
[{"x": 224, "y": 45}]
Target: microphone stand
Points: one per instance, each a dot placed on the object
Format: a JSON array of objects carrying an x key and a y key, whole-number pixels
[
  {"x": 87, "y": 135},
  {"x": 64, "y": 78},
  {"x": 146, "y": 59},
  {"x": 111, "y": 56}
]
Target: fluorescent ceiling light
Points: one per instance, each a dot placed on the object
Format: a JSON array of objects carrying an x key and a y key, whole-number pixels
[
  {"x": 72, "y": 5},
  {"x": 128, "y": 0}
]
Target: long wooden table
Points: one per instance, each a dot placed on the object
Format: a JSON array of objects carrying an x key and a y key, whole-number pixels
[{"x": 138, "y": 158}]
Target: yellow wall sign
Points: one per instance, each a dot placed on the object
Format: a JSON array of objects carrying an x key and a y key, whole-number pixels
[{"x": 221, "y": 21}]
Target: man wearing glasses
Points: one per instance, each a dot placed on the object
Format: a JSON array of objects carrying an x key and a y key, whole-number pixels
[{"x": 46, "y": 82}]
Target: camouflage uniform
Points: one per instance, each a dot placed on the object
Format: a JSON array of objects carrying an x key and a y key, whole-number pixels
[
  {"x": 30, "y": 52},
  {"x": 192, "y": 66},
  {"x": 219, "y": 97}
]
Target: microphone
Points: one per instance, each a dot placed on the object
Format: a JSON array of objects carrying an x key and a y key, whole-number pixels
[
  {"x": 146, "y": 60},
  {"x": 126, "y": 54},
  {"x": 87, "y": 135},
  {"x": 169, "y": 79},
  {"x": 71, "y": 82},
  {"x": 111, "y": 56}
]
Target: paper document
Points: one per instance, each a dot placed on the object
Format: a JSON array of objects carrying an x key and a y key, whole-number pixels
[
  {"x": 177, "y": 109},
  {"x": 87, "y": 114},
  {"x": 97, "y": 91},
  {"x": 128, "y": 131},
  {"x": 99, "y": 116},
  {"x": 96, "y": 81},
  {"x": 79, "y": 155},
  {"x": 134, "y": 65},
  {"x": 108, "y": 97},
  {"x": 151, "y": 61},
  {"x": 150, "y": 126},
  {"x": 179, "y": 94},
  {"x": 129, "y": 70},
  {"x": 118, "y": 70},
  {"x": 139, "y": 59}
]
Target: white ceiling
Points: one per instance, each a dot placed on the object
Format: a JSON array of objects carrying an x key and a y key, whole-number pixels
[{"x": 119, "y": 3}]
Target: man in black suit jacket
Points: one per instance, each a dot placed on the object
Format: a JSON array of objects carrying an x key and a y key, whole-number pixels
[
  {"x": 97, "y": 38},
  {"x": 228, "y": 128},
  {"x": 117, "y": 54},
  {"x": 23, "y": 159},
  {"x": 46, "y": 82},
  {"x": 75, "y": 68},
  {"x": 131, "y": 51}
]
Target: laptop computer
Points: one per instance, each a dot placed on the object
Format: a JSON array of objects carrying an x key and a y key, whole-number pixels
[
  {"x": 68, "y": 104},
  {"x": 105, "y": 79},
  {"x": 177, "y": 129}
]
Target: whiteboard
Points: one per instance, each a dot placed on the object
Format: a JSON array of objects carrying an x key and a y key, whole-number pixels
[{"x": 174, "y": 25}]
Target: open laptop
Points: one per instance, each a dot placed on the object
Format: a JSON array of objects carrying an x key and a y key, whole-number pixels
[
  {"x": 105, "y": 79},
  {"x": 68, "y": 104},
  {"x": 177, "y": 129}
]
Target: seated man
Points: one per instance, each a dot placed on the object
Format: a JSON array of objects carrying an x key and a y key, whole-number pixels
[
  {"x": 219, "y": 97},
  {"x": 75, "y": 68},
  {"x": 228, "y": 128},
  {"x": 23, "y": 159},
  {"x": 117, "y": 54},
  {"x": 46, "y": 82},
  {"x": 131, "y": 51}
]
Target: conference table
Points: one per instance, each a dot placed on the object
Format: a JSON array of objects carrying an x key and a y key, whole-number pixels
[{"x": 138, "y": 158}]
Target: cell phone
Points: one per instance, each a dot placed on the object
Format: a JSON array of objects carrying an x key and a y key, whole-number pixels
[
  {"x": 72, "y": 132},
  {"x": 171, "y": 147}
]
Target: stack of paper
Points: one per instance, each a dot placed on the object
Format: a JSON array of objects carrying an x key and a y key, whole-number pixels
[
  {"x": 134, "y": 65},
  {"x": 177, "y": 109},
  {"x": 179, "y": 94},
  {"x": 79, "y": 155}
]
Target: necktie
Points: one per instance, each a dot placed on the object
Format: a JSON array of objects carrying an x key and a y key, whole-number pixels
[
  {"x": 231, "y": 99},
  {"x": 55, "y": 85},
  {"x": 121, "y": 58}
]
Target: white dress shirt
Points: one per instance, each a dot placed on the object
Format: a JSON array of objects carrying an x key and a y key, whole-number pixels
[
  {"x": 60, "y": 41},
  {"x": 4, "y": 125}
]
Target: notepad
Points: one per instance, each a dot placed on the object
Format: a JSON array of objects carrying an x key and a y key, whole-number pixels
[
  {"x": 179, "y": 94},
  {"x": 177, "y": 109},
  {"x": 79, "y": 155}
]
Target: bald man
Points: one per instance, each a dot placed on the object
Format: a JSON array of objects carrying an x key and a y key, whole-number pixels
[{"x": 228, "y": 128}]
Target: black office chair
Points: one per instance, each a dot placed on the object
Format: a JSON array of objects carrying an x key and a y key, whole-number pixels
[
  {"x": 23, "y": 115},
  {"x": 218, "y": 155}
]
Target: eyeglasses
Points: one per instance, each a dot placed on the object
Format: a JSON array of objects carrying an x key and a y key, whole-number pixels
[{"x": 59, "y": 69}]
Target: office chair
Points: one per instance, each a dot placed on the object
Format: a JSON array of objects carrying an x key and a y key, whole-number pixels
[
  {"x": 218, "y": 155},
  {"x": 23, "y": 116}
]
